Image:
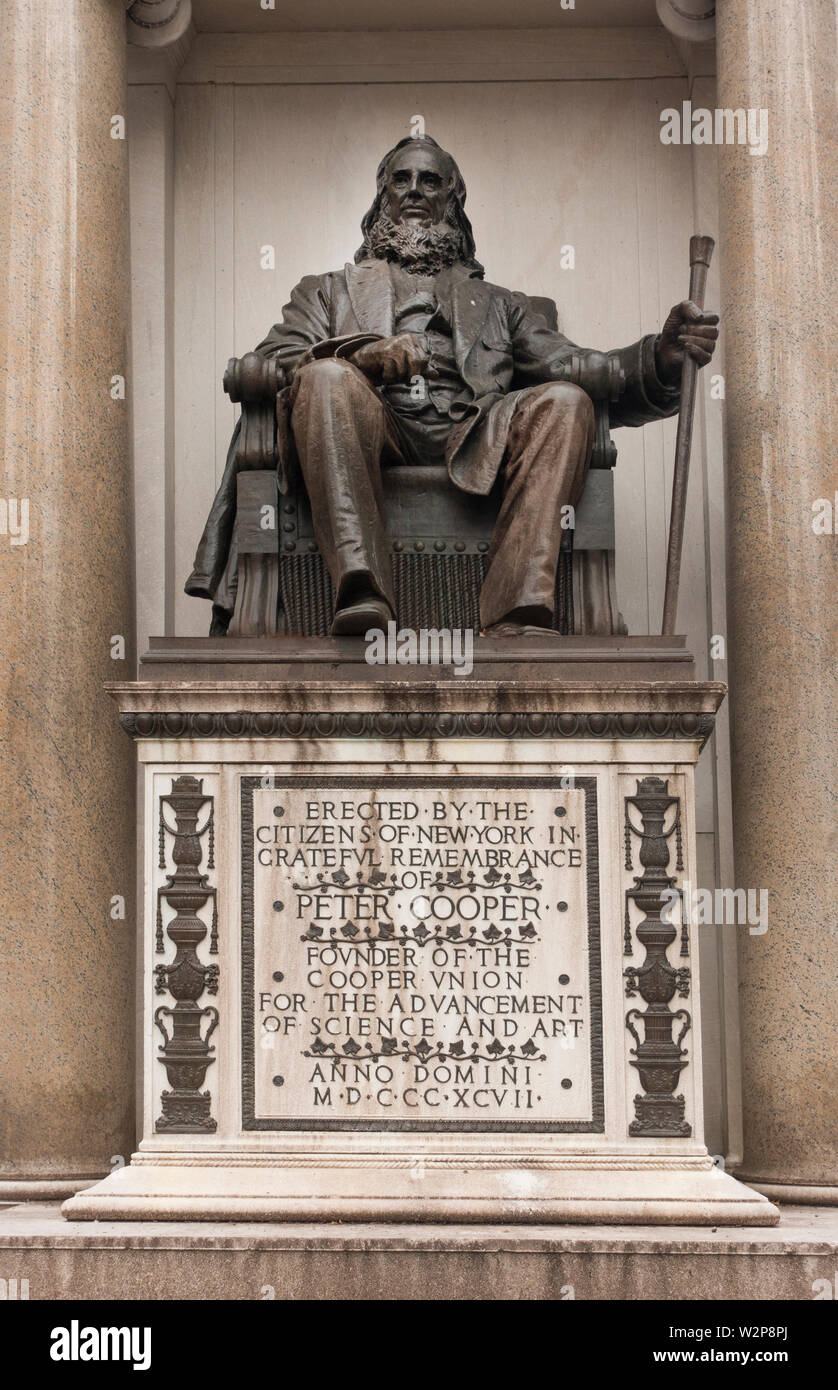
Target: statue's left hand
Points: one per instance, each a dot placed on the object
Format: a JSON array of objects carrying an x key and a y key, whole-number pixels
[{"x": 687, "y": 330}]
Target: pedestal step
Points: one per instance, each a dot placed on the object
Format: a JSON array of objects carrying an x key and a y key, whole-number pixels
[
  {"x": 249, "y": 1261},
  {"x": 670, "y": 1191}
]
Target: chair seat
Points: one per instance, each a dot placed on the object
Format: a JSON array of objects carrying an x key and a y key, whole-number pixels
[{"x": 440, "y": 538}]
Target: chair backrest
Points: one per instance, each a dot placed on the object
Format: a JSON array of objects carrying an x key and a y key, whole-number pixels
[{"x": 547, "y": 308}]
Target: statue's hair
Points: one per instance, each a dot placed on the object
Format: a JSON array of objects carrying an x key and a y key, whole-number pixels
[{"x": 455, "y": 212}]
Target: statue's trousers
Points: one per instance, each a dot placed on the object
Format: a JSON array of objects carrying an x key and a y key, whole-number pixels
[{"x": 345, "y": 433}]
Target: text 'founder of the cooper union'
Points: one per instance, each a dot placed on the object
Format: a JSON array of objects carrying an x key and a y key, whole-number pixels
[{"x": 409, "y": 356}]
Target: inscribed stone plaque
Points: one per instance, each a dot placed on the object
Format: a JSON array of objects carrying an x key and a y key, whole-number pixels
[{"x": 421, "y": 954}]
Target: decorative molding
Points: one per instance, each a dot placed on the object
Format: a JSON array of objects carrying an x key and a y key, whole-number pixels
[
  {"x": 450, "y": 55},
  {"x": 157, "y": 23},
  {"x": 423, "y": 1052},
  {"x": 658, "y": 1058},
  {"x": 156, "y": 57},
  {"x": 692, "y": 20},
  {"x": 244, "y": 724},
  {"x": 420, "y": 936},
  {"x": 587, "y": 1162},
  {"x": 186, "y": 1053}
]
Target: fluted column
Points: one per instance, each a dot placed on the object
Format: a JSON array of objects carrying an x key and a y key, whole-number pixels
[
  {"x": 66, "y": 803},
  {"x": 779, "y": 235}
]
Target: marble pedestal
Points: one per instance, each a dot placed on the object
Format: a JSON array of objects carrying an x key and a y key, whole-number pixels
[{"x": 406, "y": 954}]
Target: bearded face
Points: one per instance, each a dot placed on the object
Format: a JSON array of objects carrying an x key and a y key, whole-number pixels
[
  {"x": 418, "y": 219},
  {"x": 424, "y": 248}
]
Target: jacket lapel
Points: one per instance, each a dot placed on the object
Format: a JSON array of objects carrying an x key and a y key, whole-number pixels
[
  {"x": 370, "y": 291},
  {"x": 470, "y": 301}
]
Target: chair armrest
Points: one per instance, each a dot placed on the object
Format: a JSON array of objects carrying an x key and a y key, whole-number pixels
[
  {"x": 254, "y": 382},
  {"x": 604, "y": 452},
  {"x": 253, "y": 378}
]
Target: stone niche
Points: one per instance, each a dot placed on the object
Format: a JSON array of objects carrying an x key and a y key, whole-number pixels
[{"x": 412, "y": 948}]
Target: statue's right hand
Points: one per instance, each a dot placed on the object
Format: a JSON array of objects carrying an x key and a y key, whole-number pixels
[{"x": 389, "y": 360}]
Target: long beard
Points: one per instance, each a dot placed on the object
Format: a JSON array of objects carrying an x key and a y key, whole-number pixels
[{"x": 425, "y": 250}]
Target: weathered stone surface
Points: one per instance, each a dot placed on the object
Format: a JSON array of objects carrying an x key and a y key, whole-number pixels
[{"x": 206, "y": 1260}]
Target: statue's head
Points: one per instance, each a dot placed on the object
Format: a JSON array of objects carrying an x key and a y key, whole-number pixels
[{"x": 418, "y": 217}]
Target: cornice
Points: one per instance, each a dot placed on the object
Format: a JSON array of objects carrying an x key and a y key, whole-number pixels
[{"x": 393, "y": 724}]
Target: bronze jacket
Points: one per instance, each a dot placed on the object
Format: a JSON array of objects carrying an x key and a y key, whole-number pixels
[{"x": 501, "y": 343}]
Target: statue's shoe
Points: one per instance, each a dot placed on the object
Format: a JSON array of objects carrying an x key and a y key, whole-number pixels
[
  {"x": 519, "y": 630},
  {"x": 357, "y": 618}
]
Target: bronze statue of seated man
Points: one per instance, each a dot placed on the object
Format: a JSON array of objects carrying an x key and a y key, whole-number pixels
[{"x": 410, "y": 357}]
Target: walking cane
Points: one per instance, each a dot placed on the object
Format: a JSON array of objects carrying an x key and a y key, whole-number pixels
[{"x": 701, "y": 250}]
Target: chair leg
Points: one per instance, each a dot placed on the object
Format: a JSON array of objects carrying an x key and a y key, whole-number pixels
[
  {"x": 595, "y": 611},
  {"x": 257, "y": 594}
]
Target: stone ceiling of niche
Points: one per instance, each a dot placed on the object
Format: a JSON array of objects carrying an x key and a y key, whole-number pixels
[{"x": 247, "y": 16}]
